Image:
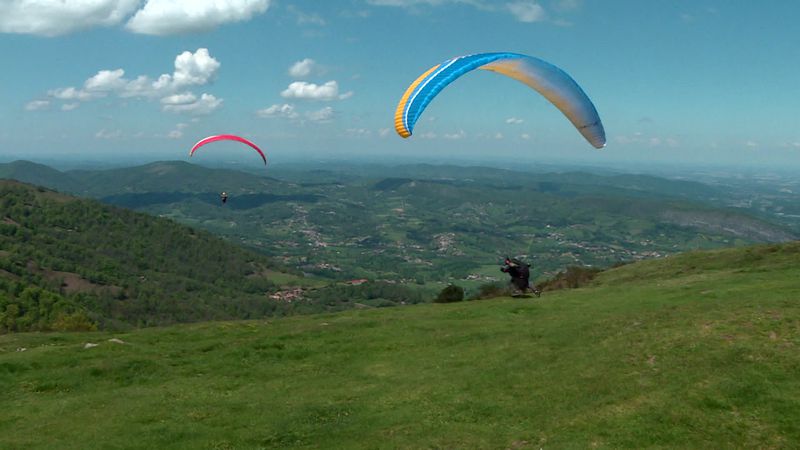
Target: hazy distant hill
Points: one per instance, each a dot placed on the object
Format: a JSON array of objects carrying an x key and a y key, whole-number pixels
[
  {"x": 171, "y": 176},
  {"x": 67, "y": 261},
  {"x": 40, "y": 175},
  {"x": 422, "y": 224}
]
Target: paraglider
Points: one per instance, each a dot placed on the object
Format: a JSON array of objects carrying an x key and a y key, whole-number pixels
[
  {"x": 226, "y": 137},
  {"x": 550, "y": 81},
  {"x": 520, "y": 273},
  {"x": 223, "y": 196}
]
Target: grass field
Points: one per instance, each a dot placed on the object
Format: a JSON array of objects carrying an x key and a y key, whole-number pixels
[{"x": 694, "y": 351}]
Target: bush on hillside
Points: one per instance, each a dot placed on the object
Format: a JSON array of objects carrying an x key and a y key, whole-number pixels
[{"x": 450, "y": 294}]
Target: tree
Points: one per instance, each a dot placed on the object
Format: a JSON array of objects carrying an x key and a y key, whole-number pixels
[{"x": 450, "y": 294}]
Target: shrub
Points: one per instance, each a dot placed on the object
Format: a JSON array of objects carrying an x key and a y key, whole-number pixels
[{"x": 450, "y": 294}]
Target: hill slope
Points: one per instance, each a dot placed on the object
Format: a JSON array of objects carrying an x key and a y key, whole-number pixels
[
  {"x": 693, "y": 351},
  {"x": 40, "y": 175},
  {"x": 63, "y": 256}
]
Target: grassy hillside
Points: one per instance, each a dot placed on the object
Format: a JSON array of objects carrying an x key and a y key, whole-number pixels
[
  {"x": 67, "y": 263},
  {"x": 693, "y": 351}
]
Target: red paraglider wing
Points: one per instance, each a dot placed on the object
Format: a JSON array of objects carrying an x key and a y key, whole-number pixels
[{"x": 227, "y": 137}]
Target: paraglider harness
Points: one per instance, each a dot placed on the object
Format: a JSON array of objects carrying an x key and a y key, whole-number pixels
[
  {"x": 224, "y": 197},
  {"x": 520, "y": 273}
]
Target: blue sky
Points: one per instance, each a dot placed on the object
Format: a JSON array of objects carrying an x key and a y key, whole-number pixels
[{"x": 688, "y": 82}]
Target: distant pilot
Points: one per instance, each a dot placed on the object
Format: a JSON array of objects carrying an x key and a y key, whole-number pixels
[{"x": 224, "y": 197}]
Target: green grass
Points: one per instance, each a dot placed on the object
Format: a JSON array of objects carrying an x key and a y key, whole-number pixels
[{"x": 694, "y": 351}]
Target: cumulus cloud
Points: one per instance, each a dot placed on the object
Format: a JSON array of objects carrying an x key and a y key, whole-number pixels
[
  {"x": 106, "y": 134},
  {"x": 190, "y": 69},
  {"x": 177, "y": 132},
  {"x": 527, "y": 11},
  {"x": 106, "y": 80},
  {"x": 206, "y": 104},
  {"x": 37, "y": 105},
  {"x": 58, "y": 17},
  {"x": 310, "y": 91},
  {"x": 286, "y": 111},
  {"x": 163, "y": 17},
  {"x": 69, "y": 106},
  {"x": 302, "y": 69},
  {"x": 525, "y": 136},
  {"x": 322, "y": 115},
  {"x": 641, "y": 139},
  {"x": 514, "y": 121},
  {"x": 179, "y": 99},
  {"x": 359, "y": 132},
  {"x": 71, "y": 93},
  {"x": 458, "y": 135}
]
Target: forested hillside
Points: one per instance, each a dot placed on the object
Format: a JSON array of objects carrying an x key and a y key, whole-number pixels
[{"x": 68, "y": 263}]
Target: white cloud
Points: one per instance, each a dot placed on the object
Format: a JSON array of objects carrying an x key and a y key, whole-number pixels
[
  {"x": 359, "y": 132},
  {"x": 751, "y": 144},
  {"x": 37, "y": 105},
  {"x": 163, "y": 17},
  {"x": 206, "y": 104},
  {"x": 71, "y": 93},
  {"x": 527, "y": 11},
  {"x": 383, "y": 132},
  {"x": 310, "y": 91},
  {"x": 427, "y": 135},
  {"x": 196, "y": 68},
  {"x": 58, "y": 17},
  {"x": 322, "y": 115},
  {"x": 190, "y": 69},
  {"x": 179, "y": 99},
  {"x": 458, "y": 135},
  {"x": 641, "y": 139},
  {"x": 514, "y": 121},
  {"x": 69, "y": 106},
  {"x": 105, "y": 134},
  {"x": 286, "y": 111},
  {"x": 525, "y": 136},
  {"x": 302, "y": 69},
  {"x": 499, "y": 136},
  {"x": 106, "y": 80}
]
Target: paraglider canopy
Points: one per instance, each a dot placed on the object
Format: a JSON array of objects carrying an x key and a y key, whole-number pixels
[
  {"x": 550, "y": 81},
  {"x": 226, "y": 137}
]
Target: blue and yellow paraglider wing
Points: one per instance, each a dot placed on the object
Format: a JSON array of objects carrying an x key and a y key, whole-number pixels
[{"x": 550, "y": 81}]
